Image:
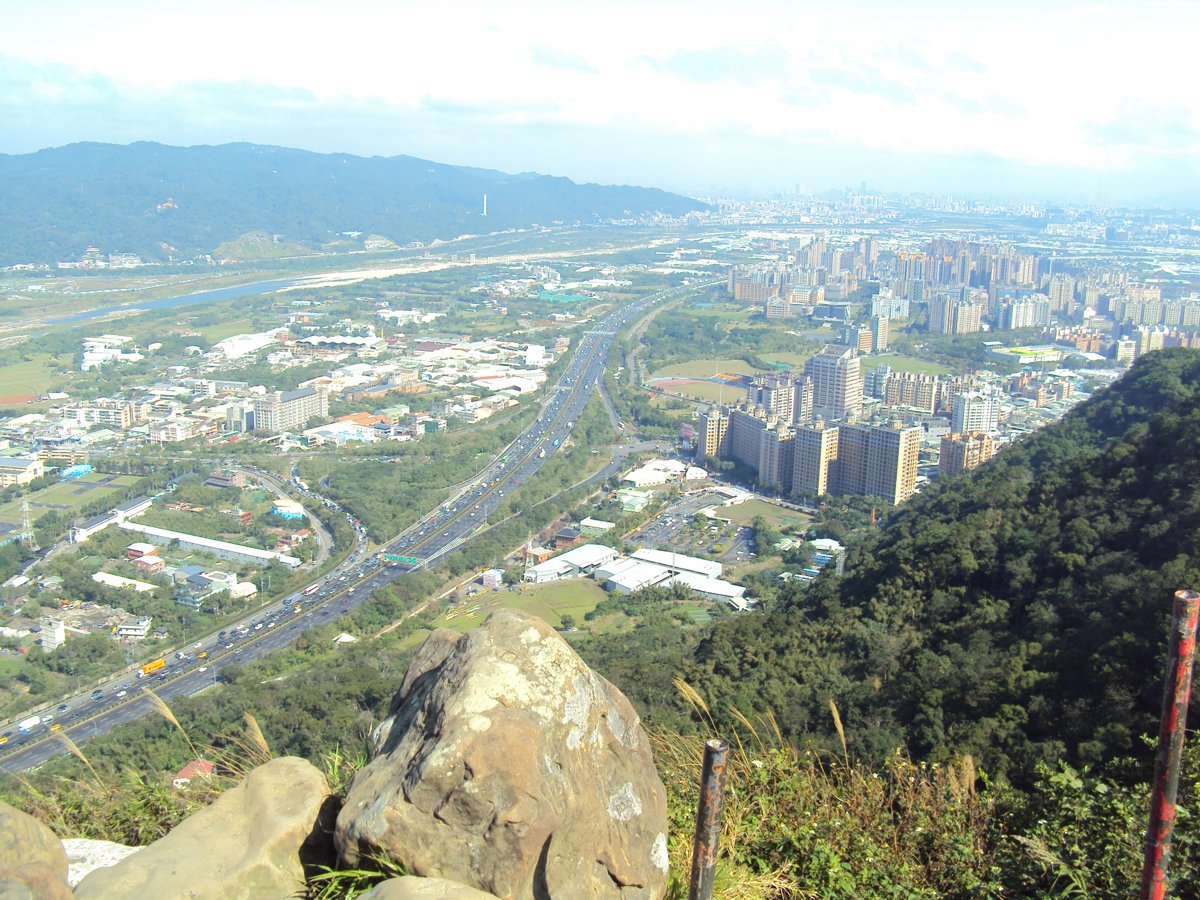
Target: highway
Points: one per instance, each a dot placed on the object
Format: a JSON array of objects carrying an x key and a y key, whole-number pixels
[{"x": 189, "y": 671}]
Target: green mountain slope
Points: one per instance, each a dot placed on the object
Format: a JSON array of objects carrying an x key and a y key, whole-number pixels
[
  {"x": 136, "y": 198},
  {"x": 1018, "y": 612}
]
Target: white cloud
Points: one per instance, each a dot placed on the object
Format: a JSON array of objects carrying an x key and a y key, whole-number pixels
[{"x": 1079, "y": 84}]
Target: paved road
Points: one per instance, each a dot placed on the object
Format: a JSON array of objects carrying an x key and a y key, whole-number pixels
[{"x": 425, "y": 543}]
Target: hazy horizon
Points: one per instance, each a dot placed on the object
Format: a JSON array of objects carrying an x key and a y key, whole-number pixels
[{"x": 1072, "y": 102}]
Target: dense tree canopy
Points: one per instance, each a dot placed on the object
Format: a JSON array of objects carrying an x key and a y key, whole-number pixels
[{"x": 1017, "y": 612}]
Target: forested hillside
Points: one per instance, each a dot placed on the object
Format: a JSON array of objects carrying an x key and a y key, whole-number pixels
[
  {"x": 147, "y": 198},
  {"x": 1018, "y": 612}
]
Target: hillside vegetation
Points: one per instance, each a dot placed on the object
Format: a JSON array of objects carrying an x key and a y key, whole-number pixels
[
  {"x": 148, "y": 198},
  {"x": 1017, "y": 613}
]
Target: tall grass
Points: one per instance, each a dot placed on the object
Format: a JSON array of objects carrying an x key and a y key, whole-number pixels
[
  {"x": 807, "y": 824},
  {"x": 134, "y": 808}
]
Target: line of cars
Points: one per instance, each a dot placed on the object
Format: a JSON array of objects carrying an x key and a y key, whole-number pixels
[{"x": 553, "y": 426}]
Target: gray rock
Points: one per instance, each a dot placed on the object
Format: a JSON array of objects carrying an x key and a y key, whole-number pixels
[
  {"x": 33, "y": 881},
  {"x": 507, "y": 764},
  {"x": 23, "y": 839},
  {"x": 412, "y": 888},
  {"x": 32, "y": 861},
  {"x": 252, "y": 843},
  {"x": 84, "y": 856}
]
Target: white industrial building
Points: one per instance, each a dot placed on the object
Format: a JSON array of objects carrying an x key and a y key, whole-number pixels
[
  {"x": 581, "y": 560},
  {"x": 663, "y": 471},
  {"x": 221, "y": 549},
  {"x": 626, "y": 575},
  {"x": 629, "y": 575},
  {"x": 123, "y": 512},
  {"x": 681, "y": 563},
  {"x": 712, "y": 588}
]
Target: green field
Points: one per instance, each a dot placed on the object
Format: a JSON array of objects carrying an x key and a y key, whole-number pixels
[
  {"x": 65, "y": 497},
  {"x": 905, "y": 364},
  {"x": 214, "y": 333},
  {"x": 776, "y": 516},
  {"x": 24, "y": 380},
  {"x": 710, "y": 391},
  {"x": 705, "y": 368},
  {"x": 549, "y": 602}
]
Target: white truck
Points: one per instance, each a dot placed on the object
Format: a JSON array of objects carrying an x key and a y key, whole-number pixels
[{"x": 27, "y": 725}]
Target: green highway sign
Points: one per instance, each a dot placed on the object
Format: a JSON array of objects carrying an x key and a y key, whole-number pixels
[{"x": 411, "y": 560}]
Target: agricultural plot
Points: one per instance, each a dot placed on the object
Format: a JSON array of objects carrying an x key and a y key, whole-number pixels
[{"x": 66, "y": 496}]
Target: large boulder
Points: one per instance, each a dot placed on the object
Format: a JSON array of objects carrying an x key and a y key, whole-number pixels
[
  {"x": 507, "y": 764},
  {"x": 32, "y": 860},
  {"x": 253, "y": 842}
]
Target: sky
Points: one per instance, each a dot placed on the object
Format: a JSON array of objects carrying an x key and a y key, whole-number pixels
[{"x": 1055, "y": 100}]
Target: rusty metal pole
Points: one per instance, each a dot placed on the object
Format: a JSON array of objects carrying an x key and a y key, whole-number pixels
[
  {"x": 708, "y": 819},
  {"x": 1176, "y": 690}
]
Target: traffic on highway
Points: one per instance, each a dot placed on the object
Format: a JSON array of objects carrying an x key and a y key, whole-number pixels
[{"x": 188, "y": 671}]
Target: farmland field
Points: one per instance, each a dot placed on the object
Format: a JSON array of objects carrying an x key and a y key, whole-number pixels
[{"x": 65, "y": 496}]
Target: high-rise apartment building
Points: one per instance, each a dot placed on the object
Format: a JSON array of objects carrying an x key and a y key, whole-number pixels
[
  {"x": 912, "y": 390},
  {"x": 775, "y": 394},
  {"x": 879, "y": 333},
  {"x": 974, "y": 411},
  {"x": 879, "y": 461},
  {"x": 786, "y": 397},
  {"x": 281, "y": 411},
  {"x": 964, "y": 451},
  {"x": 1061, "y": 291},
  {"x": 815, "y": 453},
  {"x": 836, "y": 375},
  {"x": 802, "y": 401},
  {"x": 948, "y": 315},
  {"x": 712, "y": 434},
  {"x": 776, "y": 457},
  {"x": 1028, "y": 312}
]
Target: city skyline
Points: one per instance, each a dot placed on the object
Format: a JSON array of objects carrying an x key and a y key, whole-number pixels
[{"x": 1072, "y": 102}]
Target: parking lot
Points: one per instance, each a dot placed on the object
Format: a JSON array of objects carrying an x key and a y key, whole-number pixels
[{"x": 682, "y": 528}]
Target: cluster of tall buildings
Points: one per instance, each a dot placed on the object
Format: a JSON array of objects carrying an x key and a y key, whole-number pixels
[
  {"x": 800, "y": 434},
  {"x": 816, "y": 458}
]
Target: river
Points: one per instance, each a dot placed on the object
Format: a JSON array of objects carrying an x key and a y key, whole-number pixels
[{"x": 229, "y": 293}]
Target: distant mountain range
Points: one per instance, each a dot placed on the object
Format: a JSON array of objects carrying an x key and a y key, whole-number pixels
[{"x": 163, "y": 202}]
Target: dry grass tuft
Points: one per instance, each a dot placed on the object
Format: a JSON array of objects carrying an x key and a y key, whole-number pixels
[{"x": 803, "y": 824}]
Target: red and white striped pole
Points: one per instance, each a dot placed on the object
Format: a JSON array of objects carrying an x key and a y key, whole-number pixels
[{"x": 1176, "y": 691}]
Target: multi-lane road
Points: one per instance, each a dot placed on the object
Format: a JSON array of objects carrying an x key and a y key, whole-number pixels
[{"x": 197, "y": 667}]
